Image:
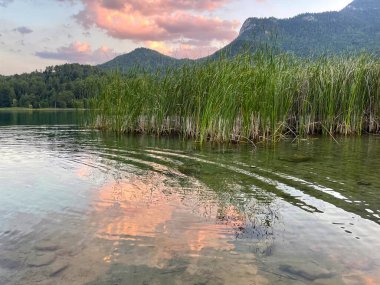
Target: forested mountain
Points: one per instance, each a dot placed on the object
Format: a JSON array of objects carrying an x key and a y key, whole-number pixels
[
  {"x": 354, "y": 29},
  {"x": 142, "y": 59},
  {"x": 63, "y": 86}
]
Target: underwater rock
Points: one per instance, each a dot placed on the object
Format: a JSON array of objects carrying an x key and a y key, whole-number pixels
[
  {"x": 308, "y": 273},
  {"x": 11, "y": 260},
  {"x": 57, "y": 268},
  {"x": 39, "y": 260},
  {"x": 190, "y": 169},
  {"x": 364, "y": 183},
  {"x": 296, "y": 158},
  {"x": 46, "y": 246}
]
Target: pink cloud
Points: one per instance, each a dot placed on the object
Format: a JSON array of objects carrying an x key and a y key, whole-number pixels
[
  {"x": 159, "y": 46},
  {"x": 80, "y": 53},
  {"x": 192, "y": 52},
  {"x": 198, "y": 27},
  {"x": 152, "y": 7},
  {"x": 160, "y": 21}
]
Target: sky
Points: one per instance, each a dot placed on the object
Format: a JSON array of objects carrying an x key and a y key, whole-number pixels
[{"x": 39, "y": 33}]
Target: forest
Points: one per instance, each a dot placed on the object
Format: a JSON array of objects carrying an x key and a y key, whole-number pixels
[{"x": 61, "y": 86}]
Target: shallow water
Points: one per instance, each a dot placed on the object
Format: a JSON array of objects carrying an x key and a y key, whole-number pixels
[{"x": 83, "y": 207}]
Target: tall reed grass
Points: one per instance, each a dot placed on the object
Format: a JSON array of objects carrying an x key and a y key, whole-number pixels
[{"x": 248, "y": 98}]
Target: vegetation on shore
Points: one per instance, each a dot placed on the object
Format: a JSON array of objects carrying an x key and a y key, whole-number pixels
[
  {"x": 249, "y": 98},
  {"x": 23, "y": 109},
  {"x": 62, "y": 86}
]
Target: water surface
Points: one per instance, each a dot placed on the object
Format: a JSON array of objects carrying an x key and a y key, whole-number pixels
[{"x": 84, "y": 207}]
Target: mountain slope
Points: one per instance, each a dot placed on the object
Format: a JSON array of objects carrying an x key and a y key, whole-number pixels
[
  {"x": 142, "y": 58},
  {"x": 353, "y": 29}
]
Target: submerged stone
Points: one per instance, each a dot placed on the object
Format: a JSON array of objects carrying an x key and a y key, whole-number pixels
[
  {"x": 364, "y": 183},
  {"x": 308, "y": 273},
  {"x": 190, "y": 169},
  {"x": 39, "y": 260},
  {"x": 46, "y": 246},
  {"x": 296, "y": 158},
  {"x": 57, "y": 267},
  {"x": 11, "y": 260}
]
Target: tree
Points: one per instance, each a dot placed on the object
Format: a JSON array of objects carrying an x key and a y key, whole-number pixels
[{"x": 7, "y": 94}]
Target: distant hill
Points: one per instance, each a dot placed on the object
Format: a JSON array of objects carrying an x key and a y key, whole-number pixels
[
  {"x": 355, "y": 28},
  {"x": 142, "y": 58}
]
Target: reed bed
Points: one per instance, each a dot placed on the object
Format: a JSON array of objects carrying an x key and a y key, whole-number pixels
[{"x": 249, "y": 98}]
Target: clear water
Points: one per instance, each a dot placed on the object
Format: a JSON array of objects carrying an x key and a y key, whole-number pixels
[{"x": 84, "y": 207}]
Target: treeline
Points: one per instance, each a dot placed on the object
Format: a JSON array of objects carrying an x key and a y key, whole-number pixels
[
  {"x": 332, "y": 33},
  {"x": 63, "y": 86}
]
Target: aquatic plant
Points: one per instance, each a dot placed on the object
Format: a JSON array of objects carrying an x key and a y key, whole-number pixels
[{"x": 249, "y": 98}]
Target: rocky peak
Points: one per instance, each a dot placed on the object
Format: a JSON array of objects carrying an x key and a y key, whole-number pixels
[
  {"x": 363, "y": 5},
  {"x": 251, "y": 23},
  {"x": 248, "y": 25}
]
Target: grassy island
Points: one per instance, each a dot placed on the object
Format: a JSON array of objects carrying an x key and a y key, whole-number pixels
[{"x": 249, "y": 98}]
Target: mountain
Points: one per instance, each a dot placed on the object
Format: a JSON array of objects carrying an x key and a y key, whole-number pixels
[
  {"x": 142, "y": 58},
  {"x": 355, "y": 28}
]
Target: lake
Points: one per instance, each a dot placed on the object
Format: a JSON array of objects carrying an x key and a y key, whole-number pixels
[{"x": 78, "y": 206}]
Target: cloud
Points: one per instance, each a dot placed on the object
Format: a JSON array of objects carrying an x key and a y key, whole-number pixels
[
  {"x": 67, "y": 1},
  {"x": 113, "y": 4},
  {"x": 153, "y": 7},
  {"x": 80, "y": 53},
  {"x": 189, "y": 49},
  {"x": 5, "y": 3},
  {"x": 23, "y": 30},
  {"x": 159, "y": 46},
  {"x": 162, "y": 22},
  {"x": 193, "y": 52},
  {"x": 201, "y": 28}
]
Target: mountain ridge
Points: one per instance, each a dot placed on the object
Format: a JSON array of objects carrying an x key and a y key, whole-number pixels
[
  {"x": 151, "y": 59},
  {"x": 353, "y": 29}
]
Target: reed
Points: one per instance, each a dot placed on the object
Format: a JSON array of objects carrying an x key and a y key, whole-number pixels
[{"x": 259, "y": 97}]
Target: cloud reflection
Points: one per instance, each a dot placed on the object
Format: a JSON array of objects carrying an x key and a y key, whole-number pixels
[{"x": 148, "y": 212}]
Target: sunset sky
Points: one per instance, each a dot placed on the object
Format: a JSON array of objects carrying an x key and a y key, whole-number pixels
[{"x": 38, "y": 33}]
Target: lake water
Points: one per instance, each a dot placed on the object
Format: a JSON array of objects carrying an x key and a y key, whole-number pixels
[{"x": 79, "y": 206}]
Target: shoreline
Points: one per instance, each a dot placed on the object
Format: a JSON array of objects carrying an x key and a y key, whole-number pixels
[{"x": 41, "y": 109}]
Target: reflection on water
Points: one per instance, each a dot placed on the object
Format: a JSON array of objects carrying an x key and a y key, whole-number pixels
[
  {"x": 81, "y": 207},
  {"x": 46, "y": 117}
]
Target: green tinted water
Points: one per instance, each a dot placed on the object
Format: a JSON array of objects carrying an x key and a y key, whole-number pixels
[
  {"x": 9, "y": 117},
  {"x": 83, "y": 207}
]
